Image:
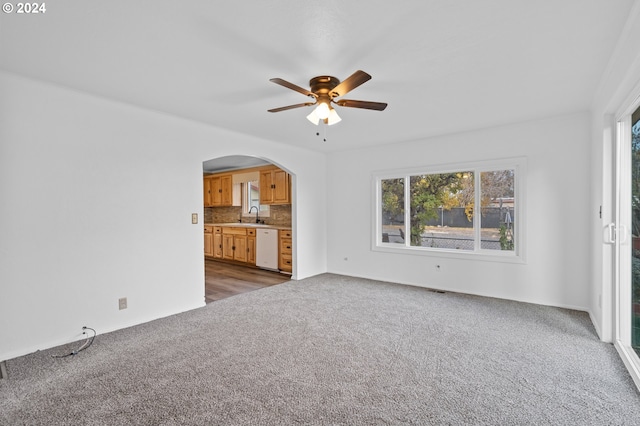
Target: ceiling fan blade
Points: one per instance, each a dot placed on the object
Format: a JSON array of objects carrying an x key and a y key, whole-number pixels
[
  {"x": 378, "y": 106},
  {"x": 292, "y": 86},
  {"x": 353, "y": 81},
  {"x": 284, "y": 108}
]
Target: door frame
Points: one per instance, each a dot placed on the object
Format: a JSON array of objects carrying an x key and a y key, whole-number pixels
[{"x": 623, "y": 240}]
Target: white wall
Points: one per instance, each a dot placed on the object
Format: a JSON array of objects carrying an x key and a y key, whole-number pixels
[
  {"x": 96, "y": 202},
  {"x": 619, "y": 84},
  {"x": 557, "y": 202}
]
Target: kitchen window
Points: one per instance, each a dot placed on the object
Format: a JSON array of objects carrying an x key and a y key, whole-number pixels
[
  {"x": 247, "y": 190},
  {"x": 471, "y": 209},
  {"x": 251, "y": 199}
]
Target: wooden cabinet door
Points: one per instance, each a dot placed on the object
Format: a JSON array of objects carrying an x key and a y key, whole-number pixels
[
  {"x": 208, "y": 244},
  {"x": 228, "y": 247},
  {"x": 281, "y": 187},
  {"x": 226, "y": 190},
  {"x": 216, "y": 191},
  {"x": 240, "y": 251},
  {"x": 217, "y": 245},
  {"x": 251, "y": 250},
  {"x": 266, "y": 187},
  {"x": 274, "y": 187},
  {"x": 206, "y": 189}
]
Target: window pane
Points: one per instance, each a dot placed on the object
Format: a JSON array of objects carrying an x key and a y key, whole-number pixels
[
  {"x": 442, "y": 210},
  {"x": 251, "y": 198},
  {"x": 392, "y": 200},
  {"x": 498, "y": 203},
  {"x": 254, "y": 194}
]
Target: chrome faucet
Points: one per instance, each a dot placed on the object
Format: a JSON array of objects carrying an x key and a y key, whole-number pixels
[{"x": 257, "y": 212}]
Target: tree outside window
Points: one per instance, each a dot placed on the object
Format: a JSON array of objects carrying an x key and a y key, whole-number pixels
[{"x": 442, "y": 207}]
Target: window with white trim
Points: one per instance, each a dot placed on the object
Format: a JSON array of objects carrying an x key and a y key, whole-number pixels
[
  {"x": 247, "y": 186},
  {"x": 467, "y": 208}
]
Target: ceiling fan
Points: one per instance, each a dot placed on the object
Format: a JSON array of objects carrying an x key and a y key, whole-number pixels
[{"x": 324, "y": 90}]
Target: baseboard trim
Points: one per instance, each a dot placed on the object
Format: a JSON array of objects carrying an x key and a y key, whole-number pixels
[
  {"x": 630, "y": 362},
  {"x": 3, "y": 370},
  {"x": 596, "y": 326},
  {"x": 463, "y": 291}
]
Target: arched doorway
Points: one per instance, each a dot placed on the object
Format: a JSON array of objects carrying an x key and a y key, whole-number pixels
[{"x": 248, "y": 204}]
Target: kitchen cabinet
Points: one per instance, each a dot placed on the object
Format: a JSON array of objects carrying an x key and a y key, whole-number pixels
[
  {"x": 275, "y": 187},
  {"x": 206, "y": 189},
  {"x": 213, "y": 241},
  {"x": 226, "y": 190},
  {"x": 234, "y": 243},
  {"x": 251, "y": 246},
  {"x": 217, "y": 242},
  {"x": 239, "y": 244},
  {"x": 218, "y": 190},
  {"x": 285, "y": 257},
  {"x": 208, "y": 241}
]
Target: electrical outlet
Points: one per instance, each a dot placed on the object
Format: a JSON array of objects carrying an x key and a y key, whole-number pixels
[
  {"x": 194, "y": 218},
  {"x": 122, "y": 303}
]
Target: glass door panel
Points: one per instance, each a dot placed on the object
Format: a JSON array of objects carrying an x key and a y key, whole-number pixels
[
  {"x": 626, "y": 235},
  {"x": 634, "y": 288}
]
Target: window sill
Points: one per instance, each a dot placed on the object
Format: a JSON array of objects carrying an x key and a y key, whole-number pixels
[{"x": 482, "y": 256}]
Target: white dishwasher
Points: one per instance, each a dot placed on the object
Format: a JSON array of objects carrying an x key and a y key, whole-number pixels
[{"x": 267, "y": 248}]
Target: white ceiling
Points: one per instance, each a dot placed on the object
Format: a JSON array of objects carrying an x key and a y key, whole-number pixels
[{"x": 442, "y": 66}]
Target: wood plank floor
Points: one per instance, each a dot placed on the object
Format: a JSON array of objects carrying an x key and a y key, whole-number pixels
[{"x": 225, "y": 280}]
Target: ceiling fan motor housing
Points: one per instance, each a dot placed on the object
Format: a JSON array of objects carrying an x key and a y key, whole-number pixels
[{"x": 323, "y": 85}]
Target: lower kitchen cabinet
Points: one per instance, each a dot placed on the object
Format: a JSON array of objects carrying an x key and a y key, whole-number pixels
[
  {"x": 208, "y": 241},
  {"x": 285, "y": 258},
  {"x": 238, "y": 244},
  {"x": 251, "y": 246},
  {"x": 217, "y": 242},
  {"x": 234, "y": 247}
]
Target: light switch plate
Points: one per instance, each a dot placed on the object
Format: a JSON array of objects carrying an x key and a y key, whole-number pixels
[{"x": 194, "y": 218}]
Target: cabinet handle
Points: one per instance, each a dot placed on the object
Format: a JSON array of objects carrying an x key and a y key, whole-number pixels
[{"x": 233, "y": 247}]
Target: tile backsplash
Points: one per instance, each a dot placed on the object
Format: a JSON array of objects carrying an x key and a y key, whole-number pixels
[{"x": 280, "y": 215}]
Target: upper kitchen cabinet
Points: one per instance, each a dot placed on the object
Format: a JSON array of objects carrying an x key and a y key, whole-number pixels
[
  {"x": 275, "y": 187},
  {"x": 218, "y": 190}
]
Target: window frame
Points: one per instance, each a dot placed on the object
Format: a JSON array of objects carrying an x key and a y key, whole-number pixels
[
  {"x": 518, "y": 164},
  {"x": 264, "y": 209}
]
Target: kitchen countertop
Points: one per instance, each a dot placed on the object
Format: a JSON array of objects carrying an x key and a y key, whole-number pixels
[{"x": 247, "y": 225}]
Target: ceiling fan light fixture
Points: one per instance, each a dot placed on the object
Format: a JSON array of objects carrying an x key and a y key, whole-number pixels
[
  {"x": 313, "y": 117},
  {"x": 322, "y": 111},
  {"x": 333, "y": 117}
]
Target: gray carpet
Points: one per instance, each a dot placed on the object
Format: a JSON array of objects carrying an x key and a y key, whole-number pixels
[{"x": 333, "y": 350}]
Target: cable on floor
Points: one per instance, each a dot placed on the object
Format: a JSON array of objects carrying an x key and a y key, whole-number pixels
[{"x": 84, "y": 346}]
